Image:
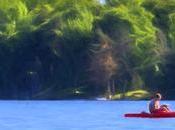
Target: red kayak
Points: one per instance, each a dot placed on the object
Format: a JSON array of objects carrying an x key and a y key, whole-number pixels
[{"x": 152, "y": 115}]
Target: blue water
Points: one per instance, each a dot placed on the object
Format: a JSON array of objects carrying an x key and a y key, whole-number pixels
[{"x": 78, "y": 115}]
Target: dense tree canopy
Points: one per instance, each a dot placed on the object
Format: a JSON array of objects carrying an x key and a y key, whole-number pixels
[{"x": 55, "y": 49}]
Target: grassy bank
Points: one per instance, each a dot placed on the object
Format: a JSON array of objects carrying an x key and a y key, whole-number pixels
[{"x": 133, "y": 95}]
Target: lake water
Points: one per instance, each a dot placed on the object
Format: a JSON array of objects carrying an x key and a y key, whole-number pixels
[{"x": 78, "y": 115}]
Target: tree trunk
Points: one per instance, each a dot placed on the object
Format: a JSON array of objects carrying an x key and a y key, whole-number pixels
[
  {"x": 124, "y": 89},
  {"x": 113, "y": 87},
  {"x": 109, "y": 95}
]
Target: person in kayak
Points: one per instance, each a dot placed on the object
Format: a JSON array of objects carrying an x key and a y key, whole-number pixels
[{"x": 154, "y": 105}]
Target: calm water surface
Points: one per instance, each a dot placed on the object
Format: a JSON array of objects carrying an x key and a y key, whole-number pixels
[{"x": 78, "y": 115}]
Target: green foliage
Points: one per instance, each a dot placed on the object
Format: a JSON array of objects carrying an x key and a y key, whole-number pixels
[
  {"x": 142, "y": 29},
  {"x": 45, "y": 45},
  {"x": 172, "y": 29},
  {"x": 81, "y": 24}
]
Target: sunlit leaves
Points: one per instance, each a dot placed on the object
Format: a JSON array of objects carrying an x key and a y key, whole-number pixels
[
  {"x": 141, "y": 21},
  {"x": 172, "y": 29},
  {"x": 15, "y": 14},
  {"x": 82, "y": 24}
]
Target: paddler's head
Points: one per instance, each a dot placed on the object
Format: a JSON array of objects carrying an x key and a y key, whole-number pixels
[{"x": 158, "y": 96}]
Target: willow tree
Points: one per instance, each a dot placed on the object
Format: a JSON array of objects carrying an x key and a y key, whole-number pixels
[
  {"x": 74, "y": 31},
  {"x": 164, "y": 21},
  {"x": 19, "y": 29},
  {"x": 130, "y": 27}
]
